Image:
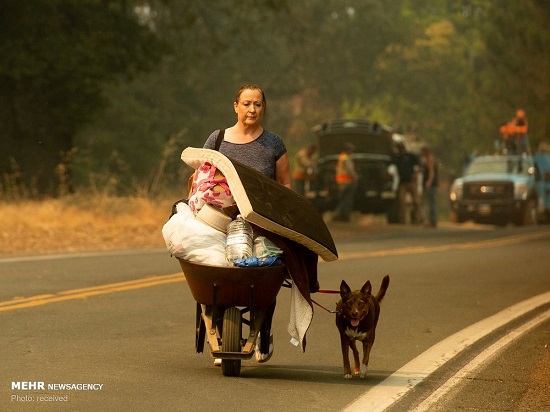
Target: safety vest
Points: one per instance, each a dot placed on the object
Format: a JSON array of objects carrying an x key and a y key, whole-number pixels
[
  {"x": 342, "y": 174},
  {"x": 511, "y": 129},
  {"x": 504, "y": 131}
]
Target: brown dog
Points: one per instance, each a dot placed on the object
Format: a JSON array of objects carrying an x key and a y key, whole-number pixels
[{"x": 356, "y": 318}]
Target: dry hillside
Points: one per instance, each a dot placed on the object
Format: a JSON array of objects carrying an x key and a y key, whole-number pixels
[{"x": 74, "y": 224}]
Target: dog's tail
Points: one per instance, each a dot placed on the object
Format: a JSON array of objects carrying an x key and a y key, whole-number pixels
[{"x": 383, "y": 287}]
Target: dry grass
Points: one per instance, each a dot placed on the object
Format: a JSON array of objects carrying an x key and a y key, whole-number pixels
[{"x": 75, "y": 224}]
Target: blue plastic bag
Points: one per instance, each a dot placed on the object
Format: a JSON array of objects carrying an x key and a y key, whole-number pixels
[{"x": 257, "y": 262}]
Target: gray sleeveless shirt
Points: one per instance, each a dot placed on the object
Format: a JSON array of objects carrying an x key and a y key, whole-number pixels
[{"x": 261, "y": 154}]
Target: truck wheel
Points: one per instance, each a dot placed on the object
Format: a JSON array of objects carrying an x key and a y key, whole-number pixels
[
  {"x": 529, "y": 215},
  {"x": 392, "y": 214},
  {"x": 456, "y": 217},
  {"x": 501, "y": 222}
]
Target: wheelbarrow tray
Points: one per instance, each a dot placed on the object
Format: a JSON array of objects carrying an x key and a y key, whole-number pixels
[
  {"x": 233, "y": 286},
  {"x": 218, "y": 292}
]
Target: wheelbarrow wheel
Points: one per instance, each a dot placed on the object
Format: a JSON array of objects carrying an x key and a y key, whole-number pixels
[{"x": 231, "y": 340}]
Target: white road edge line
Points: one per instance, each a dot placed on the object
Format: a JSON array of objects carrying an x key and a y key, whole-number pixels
[
  {"x": 395, "y": 386},
  {"x": 479, "y": 361}
]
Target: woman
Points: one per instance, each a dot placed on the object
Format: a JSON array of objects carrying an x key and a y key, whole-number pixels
[{"x": 249, "y": 143}]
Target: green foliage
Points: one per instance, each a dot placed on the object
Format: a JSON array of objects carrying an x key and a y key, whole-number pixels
[
  {"x": 57, "y": 56},
  {"x": 518, "y": 55},
  {"x": 84, "y": 74},
  {"x": 192, "y": 91}
]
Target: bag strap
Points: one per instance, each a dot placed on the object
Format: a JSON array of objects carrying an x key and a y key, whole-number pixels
[{"x": 219, "y": 139}]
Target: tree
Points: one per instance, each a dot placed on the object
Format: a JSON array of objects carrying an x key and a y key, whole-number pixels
[
  {"x": 189, "y": 95},
  {"x": 518, "y": 56},
  {"x": 57, "y": 55},
  {"x": 447, "y": 70},
  {"x": 429, "y": 79}
]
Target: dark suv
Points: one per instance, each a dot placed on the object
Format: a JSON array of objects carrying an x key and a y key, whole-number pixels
[{"x": 378, "y": 179}]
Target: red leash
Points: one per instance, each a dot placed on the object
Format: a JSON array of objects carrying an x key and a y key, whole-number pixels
[
  {"x": 321, "y": 306},
  {"x": 287, "y": 284}
]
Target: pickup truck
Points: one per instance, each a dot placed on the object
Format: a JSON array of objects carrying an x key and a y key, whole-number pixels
[
  {"x": 503, "y": 189},
  {"x": 378, "y": 177}
]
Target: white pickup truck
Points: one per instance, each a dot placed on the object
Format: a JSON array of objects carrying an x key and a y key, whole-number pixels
[{"x": 503, "y": 189}]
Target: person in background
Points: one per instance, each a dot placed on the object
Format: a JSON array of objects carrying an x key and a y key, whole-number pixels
[
  {"x": 249, "y": 143},
  {"x": 430, "y": 180},
  {"x": 407, "y": 165},
  {"x": 304, "y": 170},
  {"x": 521, "y": 128},
  {"x": 346, "y": 179},
  {"x": 508, "y": 136}
]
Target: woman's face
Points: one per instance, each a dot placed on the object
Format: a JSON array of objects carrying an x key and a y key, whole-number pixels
[{"x": 250, "y": 107}]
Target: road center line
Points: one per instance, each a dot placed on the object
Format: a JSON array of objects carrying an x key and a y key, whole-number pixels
[
  {"x": 20, "y": 303},
  {"x": 510, "y": 240},
  {"x": 391, "y": 389}
]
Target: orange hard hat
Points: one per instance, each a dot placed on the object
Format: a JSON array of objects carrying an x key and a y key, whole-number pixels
[{"x": 520, "y": 113}]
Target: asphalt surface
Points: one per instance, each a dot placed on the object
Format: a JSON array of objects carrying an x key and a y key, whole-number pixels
[
  {"x": 518, "y": 379},
  {"x": 515, "y": 379}
]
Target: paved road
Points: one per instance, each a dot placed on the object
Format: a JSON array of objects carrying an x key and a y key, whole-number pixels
[{"x": 124, "y": 324}]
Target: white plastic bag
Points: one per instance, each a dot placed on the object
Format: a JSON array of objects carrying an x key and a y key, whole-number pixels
[{"x": 188, "y": 238}]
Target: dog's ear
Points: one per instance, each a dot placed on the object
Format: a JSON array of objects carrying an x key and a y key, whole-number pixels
[
  {"x": 344, "y": 288},
  {"x": 367, "y": 288}
]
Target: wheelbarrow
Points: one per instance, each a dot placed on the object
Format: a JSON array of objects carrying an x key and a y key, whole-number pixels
[{"x": 224, "y": 295}]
